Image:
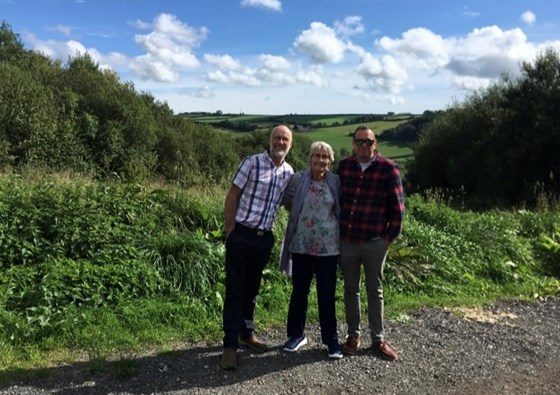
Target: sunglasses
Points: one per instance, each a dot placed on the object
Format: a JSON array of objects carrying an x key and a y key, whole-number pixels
[{"x": 361, "y": 143}]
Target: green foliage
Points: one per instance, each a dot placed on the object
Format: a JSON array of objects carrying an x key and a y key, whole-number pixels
[
  {"x": 440, "y": 246},
  {"x": 95, "y": 245},
  {"x": 103, "y": 266},
  {"x": 550, "y": 249},
  {"x": 507, "y": 129},
  {"x": 189, "y": 262},
  {"x": 82, "y": 118}
]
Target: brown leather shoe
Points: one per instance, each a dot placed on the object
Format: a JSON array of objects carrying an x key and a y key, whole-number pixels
[
  {"x": 229, "y": 359},
  {"x": 253, "y": 343},
  {"x": 385, "y": 350},
  {"x": 351, "y": 345}
]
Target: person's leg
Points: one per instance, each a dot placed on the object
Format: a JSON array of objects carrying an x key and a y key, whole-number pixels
[
  {"x": 237, "y": 252},
  {"x": 374, "y": 256},
  {"x": 302, "y": 274},
  {"x": 350, "y": 262},
  {"x": 260, "y": 248},
  {"x": 325, "y": 273}
]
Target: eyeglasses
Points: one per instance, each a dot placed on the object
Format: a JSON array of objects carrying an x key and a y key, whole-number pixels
[{"x": 367, "y": 142}]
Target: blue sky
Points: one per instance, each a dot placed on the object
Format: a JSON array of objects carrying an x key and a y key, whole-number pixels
[{"x": 295, "y": 56}]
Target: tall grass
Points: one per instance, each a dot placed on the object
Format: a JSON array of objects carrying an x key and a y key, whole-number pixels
[{"x": 101, "y": 267}]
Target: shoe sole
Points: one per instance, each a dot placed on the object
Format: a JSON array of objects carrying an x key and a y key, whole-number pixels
[
  {"x": 336, "y": 356},
  {"x": 301, "y": 344},
  {"x": 345, "y": 351},
  {"x": 386, "y": 357},
  {"x": 256, "y": 349}
]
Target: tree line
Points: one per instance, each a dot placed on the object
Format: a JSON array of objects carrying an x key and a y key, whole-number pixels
[
  {"x": 79, "y": 117},
  {"x": 501, "y": 146}
]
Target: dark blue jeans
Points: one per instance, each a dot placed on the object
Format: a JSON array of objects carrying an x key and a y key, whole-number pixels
[
  {"x": 303, "y": 269},
  {"x": 246, "y": 257}
]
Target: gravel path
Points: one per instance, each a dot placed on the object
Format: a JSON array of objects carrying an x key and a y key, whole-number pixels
[{"x": 508, "y": 348}]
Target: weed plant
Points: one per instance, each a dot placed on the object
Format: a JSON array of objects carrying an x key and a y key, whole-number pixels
[{"x": 98, "y": 269}]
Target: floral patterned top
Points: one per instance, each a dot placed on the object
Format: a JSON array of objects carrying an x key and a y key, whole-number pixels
[{"x": 317, "y": 230}]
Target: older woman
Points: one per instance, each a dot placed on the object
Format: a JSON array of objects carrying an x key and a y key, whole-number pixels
[{"x": 311, "y": 247}]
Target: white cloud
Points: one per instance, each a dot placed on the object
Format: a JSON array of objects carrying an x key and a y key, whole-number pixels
[
  {"x": 64, "y": 50},
  {"x": 148, "y": 68},
  {"x": 419, "y": 47},
  {"x": 201, "y": 93},
  {"x": 222, "y": 62},
  {"x": 529, "y": 17},
  {"x": 169, "y": 48},
  {"x": 217, "y": 76},
  {"x": 321, "y": 44},
  {"x": 350, "y": 26},
  {"x": 274, "y": 77},
  {"x": 384, "y": 74},
  {"x": 244, "y": 79},
  {"x": 272, "y": 62},
  {"x": 488, "y": 52},
  {"x": 140, "y": 25},
  {"x": 275, "y": 5},
  {"x": 233, "y": 78},
  {"x": 311, "y": 77},
  {"x": 467, "y": 83},
  {"x": 473, "y": 61}
]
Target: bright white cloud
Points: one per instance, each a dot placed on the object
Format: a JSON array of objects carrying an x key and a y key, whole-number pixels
[
  {"x": 169, "y": 48},
  {"x": 384, "y": 74},
  {"x": 467, "y": 83},
  {"x": 275, "y": 5},
  {"x": 488, "y": 52},
  {"x": 311, "y": 77},
  {"x": 272, "y": 62},
  {"x": 222, "y": 62},
  {"x": 64, "y": 50},
  {"x": 148, "y": 68},
  {"x": 529, "y": 17},
  {"x": 233, "y": 78},
  {"x": 419, "y": 47},
  {"x": 481, "y": 56},
  {"x": 321, "y": 44}
]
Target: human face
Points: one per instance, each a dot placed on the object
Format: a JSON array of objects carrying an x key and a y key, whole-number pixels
[
  {"x": 364, "y": 151},
  {"x": 320, "y": 161},
  {"x": 280, "y": 143}
]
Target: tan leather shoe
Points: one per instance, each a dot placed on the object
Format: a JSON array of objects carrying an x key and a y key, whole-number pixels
[
  {"x": 253, "y": 343},
  {"x": 385, "y": 350},
  {"x": 229, "y": 359}
]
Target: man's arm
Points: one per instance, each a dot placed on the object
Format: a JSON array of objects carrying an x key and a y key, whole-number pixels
[
  {"x": 232, "y": 199},
  {"x": 395, "y": 206}
]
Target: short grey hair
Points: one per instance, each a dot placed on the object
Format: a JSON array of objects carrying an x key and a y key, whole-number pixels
[{"x": 321, "y": 146}]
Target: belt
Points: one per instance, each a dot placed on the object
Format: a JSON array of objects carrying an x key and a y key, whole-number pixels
[{"x": 251, "y": 231}]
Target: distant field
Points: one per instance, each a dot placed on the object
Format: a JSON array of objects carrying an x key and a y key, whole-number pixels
[{"x": 337, "y": 136}]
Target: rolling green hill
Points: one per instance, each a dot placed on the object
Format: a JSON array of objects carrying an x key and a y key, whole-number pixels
[{"x": 334, "y": 129}]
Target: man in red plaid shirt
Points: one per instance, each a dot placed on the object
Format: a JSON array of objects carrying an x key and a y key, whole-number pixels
[{"x": 372, "y": 210}]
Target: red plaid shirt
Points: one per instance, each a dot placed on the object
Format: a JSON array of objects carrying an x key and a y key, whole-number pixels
[{"x": 372, "y": 202}]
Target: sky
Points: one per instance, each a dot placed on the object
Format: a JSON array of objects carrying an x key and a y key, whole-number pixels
[{"x": 279, "y": 57}]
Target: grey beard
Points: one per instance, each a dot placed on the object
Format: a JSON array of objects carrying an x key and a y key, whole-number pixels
[{"x": 279, "y": 153}]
